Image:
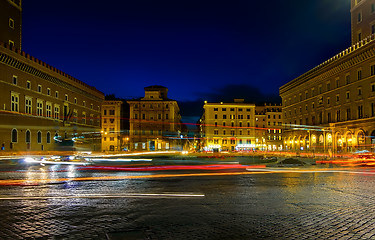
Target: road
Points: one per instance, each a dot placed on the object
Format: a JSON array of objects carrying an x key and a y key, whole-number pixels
[{"x": 74, "y": 202}]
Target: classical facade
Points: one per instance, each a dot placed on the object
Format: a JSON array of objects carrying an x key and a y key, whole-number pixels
[
  {"x": 228, "y": 126},
  {"x": 155, "y": 121},
  {"x": 41, "y": 107},
  {"x": 268, "y": 125},
  {"x": 331, "y": 108}
]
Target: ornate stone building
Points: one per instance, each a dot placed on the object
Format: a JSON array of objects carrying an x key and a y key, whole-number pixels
[
  {"x": 41, "y": 107},
  {"x": 155, "y": 121},
  {"x": 331, "y": 108}
]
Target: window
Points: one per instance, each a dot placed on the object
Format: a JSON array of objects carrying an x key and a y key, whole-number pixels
[
  {"x": 91, "y": 119},
  {"x": 84, "y": 104},
  {"x": 39, "y": 107},
  {"x": 28, "y": 136},
  {"x": 223, "y": 109},
  {"x": 166, "y": 116},
  {"x": 92, "y": 106},
  {"x": 143, "y": 116},
  {"x": 348, "y": 114},
  {"x": 75, "y": 115},
  {"x": 347, "y": 95},
  {"x": 232, "y": 109},
  {"x": 111, "y": 112},
  {"x": 359, "y": 75},
  {"x": 216, "y": 132},
  {"x": 328, "y": 101},
  {"x": 372, "y": 29},
  {"x": 14, "y": 136},
  {"x": 359, "y": 17},
  {"x": 28, "y": 105},
  {"x": 11, "y": 23},
  {"x": 84, "y": 118},
  {"x": 337, "y": 98},
  {"x": 372, "y": 7},
  {"x": 49, "y": 110},
  {"x": 338, "y": 115},
  {"x": 225, "y": 116},
  {"x": 359, "y": 36},
  {"x": 56, "y": 94},
  {"x": 66, "y": 97},
  {"x": 75, "y": 100},
  {"x": 329, "y": 117},
  {"x": 216, "y": 109},
  {"x": 328, "y": 86},
  {"x": 48, "y": 138},
  {"x": 48, "y": 91},
  {"x": 39, "y": 137},
  {"x": 224, "y": 132},
  {"x": 232, "y": 132},
  {"x": 240, "y": 109},
  {"x": 166, "y": 106},
  {"x": 347, "y": 79},
  {"x": 28, "y": 85},
  {"x": 373, "y": 87},
  {"x": 215, "y": 116},
  {"x": 337, "y": 83},
  {"x": 15, "y": 80},
  {"x": 360, "y": 111},
  {"x": 56, "y": 112},
  {"x": 14, "y": 102},
  {"x": 39, "y": 88},
  {"x": 359, "y": 91}
]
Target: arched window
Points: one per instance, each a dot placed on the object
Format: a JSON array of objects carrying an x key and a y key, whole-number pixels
[
  {"x": 14, "y": 136},
  {"x": 28, "y": 136},
  {"x": 48, "y": 137},
  {"x": 39, "y": 137}
]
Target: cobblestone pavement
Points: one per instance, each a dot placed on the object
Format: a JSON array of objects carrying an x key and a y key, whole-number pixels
[{"x": 276, "y": 205}]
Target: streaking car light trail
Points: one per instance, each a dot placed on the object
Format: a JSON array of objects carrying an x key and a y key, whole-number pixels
[
  {"x": 176, "y": 167},
  {"x": 95, "y": 196},
  {"x": 33, "y": 182}
]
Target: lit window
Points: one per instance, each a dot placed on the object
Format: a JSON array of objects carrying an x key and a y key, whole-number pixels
[
  {"x": 56, "y": 112},
  {"x": 28, "y": 105},
  {"x": 48, "y": 110},
  {"x": 14, "y": 102},
  {"x": 39, "y": 107}
]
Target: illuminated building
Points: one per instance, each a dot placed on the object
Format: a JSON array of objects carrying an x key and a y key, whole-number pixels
[
  {"x": 155, "y": 121},
  {"x": 268, "y": 124},
  {"x": 331, "y": 108},
  {"x": 41, "y": 107},
  {"x": 228, "y": 126},
  {"x": 11, "y": 22},
  {"x": 111, "y": 125}
]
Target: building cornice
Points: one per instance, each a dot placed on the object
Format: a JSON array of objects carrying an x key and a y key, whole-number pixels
[
  {"x": 9, "y": 57},
  {"x": 344, "y": 60}
]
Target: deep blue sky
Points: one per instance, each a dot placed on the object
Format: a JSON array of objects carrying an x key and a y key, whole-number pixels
[{"x": 200, "y": 50}]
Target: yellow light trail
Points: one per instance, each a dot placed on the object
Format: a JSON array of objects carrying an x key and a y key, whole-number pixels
[{"x": 107, "y": 178}]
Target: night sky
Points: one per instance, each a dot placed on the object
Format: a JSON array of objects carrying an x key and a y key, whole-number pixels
[{"x": 200, "y": 50}]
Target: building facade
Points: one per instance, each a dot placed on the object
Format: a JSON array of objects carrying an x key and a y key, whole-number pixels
[
  {"x": 228, "y": 126},
  {"x": 41, "y": 107},
  {"x": 155, "y": 121},
  {"x": 11, "y": 23},
  {"x": 331, "y": 108},
  {"x": 269, "y": 129},
  {"x": 111, "y": 125}
]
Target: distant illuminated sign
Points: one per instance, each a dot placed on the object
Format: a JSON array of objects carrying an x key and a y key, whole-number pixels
[{"x": 214, "y": 146}]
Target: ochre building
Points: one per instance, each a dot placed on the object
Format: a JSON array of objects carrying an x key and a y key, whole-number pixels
[
  {"x": 228, "y": 126},
  {"x": 331, "y": 108},
  {"x": 41, "y": 107},
  {"x": 155, "y": 121}
]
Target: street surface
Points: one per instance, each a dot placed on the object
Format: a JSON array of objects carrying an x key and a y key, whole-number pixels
[{"x": 79, "y": 202}]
